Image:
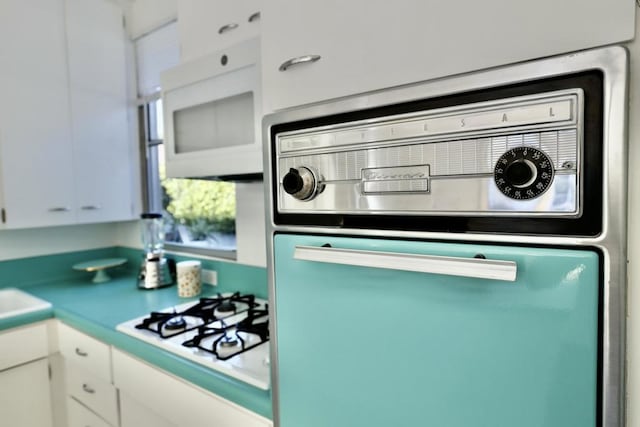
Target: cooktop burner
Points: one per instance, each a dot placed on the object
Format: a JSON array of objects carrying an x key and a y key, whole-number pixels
[{"x": 226, "y": 332}]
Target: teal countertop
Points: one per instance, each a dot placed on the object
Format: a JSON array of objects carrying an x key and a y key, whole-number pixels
[{"x": 96, "y": 309}]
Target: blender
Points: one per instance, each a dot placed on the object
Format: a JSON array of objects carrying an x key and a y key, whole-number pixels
[{"x": 156, "y": 271}]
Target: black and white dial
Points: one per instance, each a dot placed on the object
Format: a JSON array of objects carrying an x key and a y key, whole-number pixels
[{"x": 523, "y": 173}]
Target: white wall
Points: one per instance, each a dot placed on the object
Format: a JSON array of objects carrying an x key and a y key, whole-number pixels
[
  {"x": 44, "y": 241},
  {"x": 250, "y": 224},
  {"x": 144, "y": 16}
]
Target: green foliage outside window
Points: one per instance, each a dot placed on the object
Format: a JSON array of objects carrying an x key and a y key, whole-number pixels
[{"x": 204, "y": 207}]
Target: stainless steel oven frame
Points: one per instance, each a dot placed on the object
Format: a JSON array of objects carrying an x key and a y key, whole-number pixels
[{"x": 613, "y": 63}]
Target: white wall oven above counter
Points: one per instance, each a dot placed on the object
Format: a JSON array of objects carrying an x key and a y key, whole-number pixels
[{"x": 212, "y": 111}]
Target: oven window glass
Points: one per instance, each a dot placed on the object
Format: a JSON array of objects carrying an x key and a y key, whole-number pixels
[{"x": 226, "y": 122}]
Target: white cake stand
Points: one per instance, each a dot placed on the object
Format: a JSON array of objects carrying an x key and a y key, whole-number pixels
[{"x": 100, "y": 266}]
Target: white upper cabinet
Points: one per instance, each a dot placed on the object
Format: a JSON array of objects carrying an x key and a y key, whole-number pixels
[
  {"x": 207, "y": 26},
  {"x": 35, "y": 140},
  {"x": 65, "y": 154},
  {"x": 101, "y": 143},
  {"x": 337, "y": 48}
]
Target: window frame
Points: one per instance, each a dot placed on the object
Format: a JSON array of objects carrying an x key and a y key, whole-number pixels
[{"x": 152, "y": 187}]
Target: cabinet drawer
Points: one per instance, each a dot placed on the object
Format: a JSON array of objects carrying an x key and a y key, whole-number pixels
[
  {"x": 85, "y": 352},
  {"x": 79, "y": 416},
  {"x": 27, "y": 343},
  {"x": 95, "y": 393}
]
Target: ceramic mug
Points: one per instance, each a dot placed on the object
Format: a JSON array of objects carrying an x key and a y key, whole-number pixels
[{"x": 189, "y": 283}]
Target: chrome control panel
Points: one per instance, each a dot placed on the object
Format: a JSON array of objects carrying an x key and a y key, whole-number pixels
[{"x": 500, "y": 157}]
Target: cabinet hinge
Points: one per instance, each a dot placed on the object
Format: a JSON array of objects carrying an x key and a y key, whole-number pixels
[{"x": 3, "y": 214}]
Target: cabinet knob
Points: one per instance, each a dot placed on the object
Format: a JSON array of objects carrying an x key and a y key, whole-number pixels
[
  {"x": 254, "y": 17},
  {"x": 299, "y": 60},
  {"x": 227, "y": 27}
]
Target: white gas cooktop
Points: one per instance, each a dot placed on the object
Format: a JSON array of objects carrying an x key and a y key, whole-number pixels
[{"x": 225, "y": 332}]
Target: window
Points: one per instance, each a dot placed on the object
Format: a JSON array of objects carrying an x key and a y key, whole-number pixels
[{"x": 199, "y": 215}]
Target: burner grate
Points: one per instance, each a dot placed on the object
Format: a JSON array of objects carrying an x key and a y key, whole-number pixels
[
  {"x": 226, "y": 341},
  {"x": 207, "y": 310}
]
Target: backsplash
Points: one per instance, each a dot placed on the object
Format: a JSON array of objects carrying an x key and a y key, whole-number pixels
[
  {"x": 232, "y": 276},
  {"x": 40, "y": 269}
]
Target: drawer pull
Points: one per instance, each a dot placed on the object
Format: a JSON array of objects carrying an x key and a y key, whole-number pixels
[
  {"x": 90, "y": 208},
  {"x": 299, "y": 60},
  {"x": 254, "y": 17},
  {"x": 227, "y": 27},
  {"x": 60, "y": 209},
  {"x": 81, "y": 353},
  {"x": 88, "y": 389}
]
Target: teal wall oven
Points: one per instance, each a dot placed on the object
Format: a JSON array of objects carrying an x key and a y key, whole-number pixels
[{"x": 452, "y": 253}]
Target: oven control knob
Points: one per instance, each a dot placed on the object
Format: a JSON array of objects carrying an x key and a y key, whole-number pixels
[
  {"x": 302, "y": 183},
  {"x": 523, "y": 173}
]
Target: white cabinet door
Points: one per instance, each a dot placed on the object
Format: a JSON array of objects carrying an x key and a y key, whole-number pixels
[
  {"x": 85, "y": 352},
  {"x": 93, "y": 392},
  {"x": 80, "y": 416},
  {"x": 100, "y": 131},
  {"x": 177, "y": 401},
  {"x": 64, "y": 137},
  {"x": 134, "y": 414},
  {"x": 367, "y": 45},
  {"x": 35, "y": 145},
  {"x": 206, "y": 26},
  {"x": 24, "y": 395}
]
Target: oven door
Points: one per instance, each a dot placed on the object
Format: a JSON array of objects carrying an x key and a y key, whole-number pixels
[{"x": 414, "y": 333}]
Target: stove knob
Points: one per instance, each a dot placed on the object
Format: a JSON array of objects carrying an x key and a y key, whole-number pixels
[
  {"x": 523, "y": 173},
  {"x": 302, "y": 183}
]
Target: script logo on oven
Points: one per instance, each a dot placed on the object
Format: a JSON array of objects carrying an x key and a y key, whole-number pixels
[{"x": 402, "y": 179}]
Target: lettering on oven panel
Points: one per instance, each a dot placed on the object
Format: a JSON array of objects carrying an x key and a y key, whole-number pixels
[
  {"x": 396, "y": 179},
  {"x": 510, "y": 116}
]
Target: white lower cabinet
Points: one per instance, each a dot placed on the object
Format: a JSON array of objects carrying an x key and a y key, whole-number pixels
[
  {"x": 24, "y": 395},
  {"x": 25, "y": 398},
  {"x": 136, "y": 414},
  {"x": 79, "y": 416},
  {"x": 105, "y": 387},
  {"x": 96, "y": 394},
  {"x": 88, "y": 383},
  {"x": 175, "y": 401}
]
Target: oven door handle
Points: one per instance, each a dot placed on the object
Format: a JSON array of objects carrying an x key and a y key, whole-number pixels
[{"x": 478, "y": 268}]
